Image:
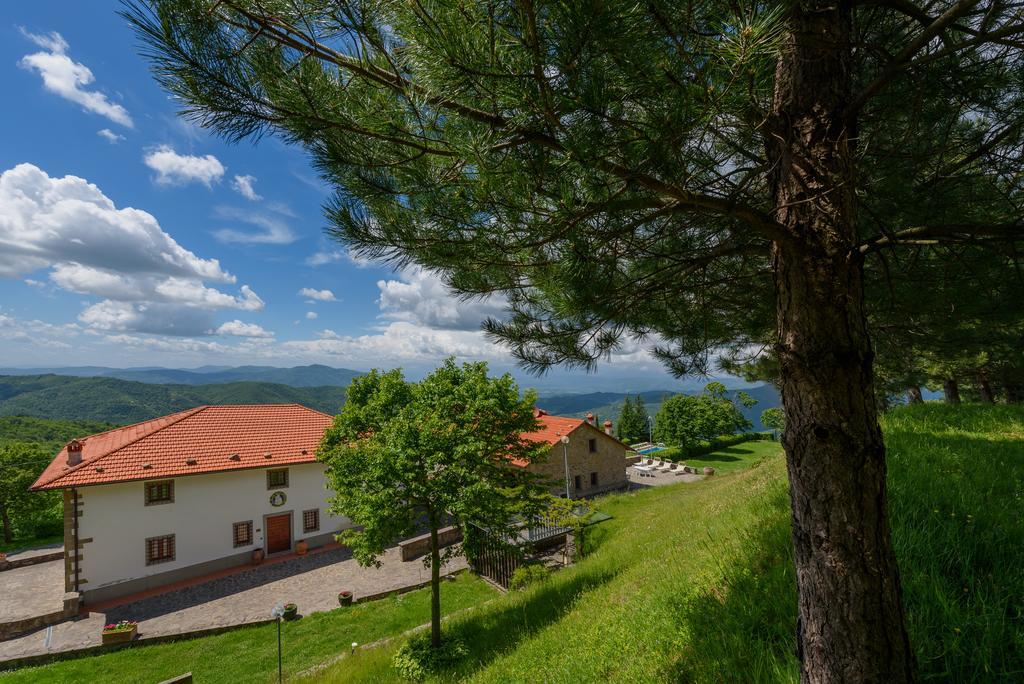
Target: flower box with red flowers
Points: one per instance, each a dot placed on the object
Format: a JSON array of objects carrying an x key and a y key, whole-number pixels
[{"x": 120, "y": 632}]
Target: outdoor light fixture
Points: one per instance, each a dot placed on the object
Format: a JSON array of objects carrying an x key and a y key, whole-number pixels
[{"x": 278, "y": 613}]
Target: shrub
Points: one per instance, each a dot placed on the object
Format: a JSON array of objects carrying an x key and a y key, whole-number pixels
[
  {"x": 526, "y": 575},
  {"x": 416, "y": 659}
]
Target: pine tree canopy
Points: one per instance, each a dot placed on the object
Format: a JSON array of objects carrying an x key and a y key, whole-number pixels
[{"x": 607, "y": 167}]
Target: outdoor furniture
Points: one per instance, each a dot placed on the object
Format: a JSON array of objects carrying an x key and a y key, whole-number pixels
[{"x": 666, "y": 466}]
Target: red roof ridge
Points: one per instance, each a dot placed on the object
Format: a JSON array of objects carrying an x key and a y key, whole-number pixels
[{"x": 178, "y": 417}]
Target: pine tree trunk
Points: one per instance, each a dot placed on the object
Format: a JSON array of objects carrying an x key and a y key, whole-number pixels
[
  {"x": 985, "y": 389},
  {"x": 6, "y": 520},
  {"x": 435, "y": 585},
  {"x": 851, "y": 626},
  {"x": 914, "y": 395},
  {"x": 951, "y": 391}
]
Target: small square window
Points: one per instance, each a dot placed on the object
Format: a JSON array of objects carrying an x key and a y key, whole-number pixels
[
  {"x": 161, "y": 492},
  {"x": 160, "y": 549},
  {"x": 593, "y": 446},
  {"x": 242, "y": 533},
  {"x": 277, "y": 479},
  {"x": 593, "y": 479},
  {"x": 311, "y": 520}
]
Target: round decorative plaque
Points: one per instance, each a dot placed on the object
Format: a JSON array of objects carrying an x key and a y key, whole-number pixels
[{"x": 278, "y": 499}]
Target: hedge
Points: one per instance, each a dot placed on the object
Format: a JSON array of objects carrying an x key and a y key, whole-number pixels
[{"x": 714, "y": 445}]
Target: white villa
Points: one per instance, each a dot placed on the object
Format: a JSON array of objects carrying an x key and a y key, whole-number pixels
[{"x": 209, "y": 488}]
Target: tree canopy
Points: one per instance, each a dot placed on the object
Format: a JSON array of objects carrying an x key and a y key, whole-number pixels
[
  {"x": 695, "y": 176},
  {"x": 688, "y": 421},
  {"x": 403, "y": 456},
  {"x": 632, "y": 425}
]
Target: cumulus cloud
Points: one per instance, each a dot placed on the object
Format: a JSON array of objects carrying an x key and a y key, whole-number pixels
[
  {"x": 147, "y": 281},
  {"x": 37, "y": 333},
  {"x": 64, "y": 77},
  {"x": 110, "y": 136},
  {"x": 334, "y": 255},
  {"x": 312, "y": 315},
  {"x": 180, "y": 169},
  {"x": 421, "y": 298},
  {"x": 243, "y": 186},
  {"x": 317, "y": 295},
  {"x": 237, "y": 328},
  {"x": 272, "y": 230}
]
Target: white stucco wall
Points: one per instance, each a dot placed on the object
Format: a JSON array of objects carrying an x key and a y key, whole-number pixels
[{"x": 118, "y": 520}]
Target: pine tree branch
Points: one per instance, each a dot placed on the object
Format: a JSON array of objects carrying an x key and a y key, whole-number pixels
[{"x": 954, "y": 232}]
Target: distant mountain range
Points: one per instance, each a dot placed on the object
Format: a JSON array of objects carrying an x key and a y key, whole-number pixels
[
  {"x": 112, "y": 400},
  {"x": 609, "y": 404},
  {"x": 128, "y": 395},
  {"x": 299, "y": 376}
]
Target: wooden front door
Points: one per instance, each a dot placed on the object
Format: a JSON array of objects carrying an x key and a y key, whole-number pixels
[{"x": 279, "y": 533}]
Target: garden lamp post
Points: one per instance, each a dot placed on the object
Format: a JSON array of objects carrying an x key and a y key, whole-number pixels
[
  {"x": 278, "y": 613},
  {"x": 565, "y": 457}
]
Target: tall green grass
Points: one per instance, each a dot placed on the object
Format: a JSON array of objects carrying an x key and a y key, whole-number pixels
[{"x": 694, "y": 583}]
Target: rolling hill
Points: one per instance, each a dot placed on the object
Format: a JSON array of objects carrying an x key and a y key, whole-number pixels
[
  {"x": 112, "y": 400},
  {"x": 299, "y": 376}
]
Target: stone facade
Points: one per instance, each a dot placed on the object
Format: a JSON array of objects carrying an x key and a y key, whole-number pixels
[{"x": 597, "y": 463}]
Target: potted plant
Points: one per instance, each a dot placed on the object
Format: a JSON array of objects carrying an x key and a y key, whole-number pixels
[
  {"x": 290, "y": 611},
  {"x": 120, "y": 632},
  {"x": 257, "y": 556},
  {"x": 301, "y": 547},
  {"x": 345, "y": 597}
]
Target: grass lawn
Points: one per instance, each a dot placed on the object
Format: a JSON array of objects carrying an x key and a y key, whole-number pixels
[
  {"x": 694, "y": 583},
  {"x": 30, "y": 542},
  {"x": 735, "y": 457},
  {"x": 250, "y": 654}
]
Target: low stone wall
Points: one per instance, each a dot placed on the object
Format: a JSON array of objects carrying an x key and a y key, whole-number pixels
[
  {"x": 72, "y": 601},
  {"x": 633, "y": 460},
  {"x": 419, "y": 546},
  {"x": 10, "y": 564}
]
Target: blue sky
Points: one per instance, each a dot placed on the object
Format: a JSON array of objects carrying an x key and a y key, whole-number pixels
[{"x": 130, "y": 237}]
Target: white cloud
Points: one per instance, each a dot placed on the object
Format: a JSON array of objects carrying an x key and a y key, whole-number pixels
[
  {"x": 37, "y": 333},
  {"x": 420, "y": 297},
  {"x": 331, "y": 256},
  {"x": 180, "y": 169},
  {"x": 273, "y": 229},
  {"x": 237, "y": 328},
  {"x": 147, "y": 281},
  {"x": 173, "y": 345},
  {"x": 243, "y": 186},
  {"x": 110, "y": 136},
  {"x": 67, "y": 78},
  {"x": 317, "y": 295},
  {"x": 311, "y": 315}
]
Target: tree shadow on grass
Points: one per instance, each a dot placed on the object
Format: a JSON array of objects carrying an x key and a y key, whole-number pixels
[
  {"x": 492, "y": 632},
  {"x": 742, "y": 628}
]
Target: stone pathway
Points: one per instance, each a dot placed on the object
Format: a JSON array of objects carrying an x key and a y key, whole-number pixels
[
  {"x": 311, "y": 581},
  {"x": 31, "y": 590},
  {"x": 36, "y": 551}
]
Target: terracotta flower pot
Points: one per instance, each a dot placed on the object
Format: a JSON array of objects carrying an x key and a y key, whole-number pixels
[
  {"x": 257, "y": 556},
  {"x": 301, "y": 547},
  {"x": 345, "y": 598}
]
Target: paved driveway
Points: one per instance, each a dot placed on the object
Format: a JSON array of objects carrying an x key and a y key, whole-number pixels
[{"x": 311, "y": 581}]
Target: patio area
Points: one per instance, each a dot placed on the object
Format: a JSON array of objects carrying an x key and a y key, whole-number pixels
[
  {"x": 243, "y": 596},
  {"x": 640, "y": 476}
]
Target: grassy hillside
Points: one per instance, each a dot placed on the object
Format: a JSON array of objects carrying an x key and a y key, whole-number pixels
[
  {"x": 120, "y": 401},
  {"x": 695, "y": 583}
]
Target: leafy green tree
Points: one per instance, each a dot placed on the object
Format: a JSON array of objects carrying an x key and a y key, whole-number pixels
[
  {"x": 400, "y": 453},
  {"x": 690, "y": 421},
  {"x": 20, "y": 465},
  {"x": 774, "y": 419},
  {"x": 696, "y": 174},
  {"x": 632, "y": 425}
]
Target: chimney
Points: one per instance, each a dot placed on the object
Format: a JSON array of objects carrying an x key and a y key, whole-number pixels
[
  {"x": 607, "y": 427},
  {"x": 74, "y": 448},
  {"x": 590, "y": 418}
]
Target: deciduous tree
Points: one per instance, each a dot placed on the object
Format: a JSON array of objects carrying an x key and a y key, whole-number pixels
[{"x": 402, "y": 454}]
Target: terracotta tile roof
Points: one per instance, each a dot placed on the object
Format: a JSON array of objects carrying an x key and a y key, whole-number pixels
[
  {"x": 551, "y": 430},
  {"x": 206, "y": 439}
]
